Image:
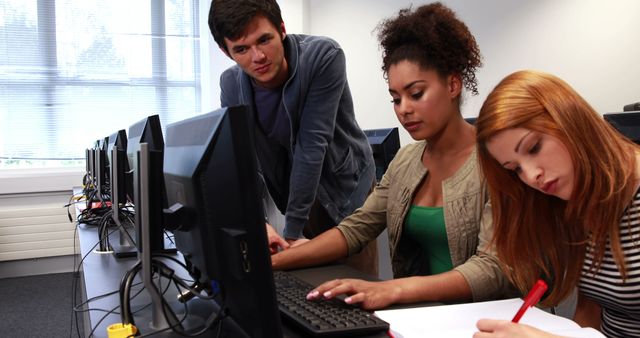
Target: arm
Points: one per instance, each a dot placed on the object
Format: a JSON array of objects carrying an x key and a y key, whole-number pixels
[
  {"x": 316, "y": 123},
  {"x": 328, "y": 247},
  {"x": 349, "y": 237},
  {"x": 482, "y": 271},
  {"x": 588, "y": 313}
]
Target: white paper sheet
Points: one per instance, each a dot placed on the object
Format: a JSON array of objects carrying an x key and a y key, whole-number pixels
[{"x": 460, "y": 320}]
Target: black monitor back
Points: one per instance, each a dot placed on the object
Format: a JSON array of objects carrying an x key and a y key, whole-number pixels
[
  {"x": 103, "y": 164},
  {"x": 117, "y": 140},
  {"x": 210, "y": 169},
  {"x": 627, "y": 123},
  {"x": 120, "y": 182},
  {"x": 384, "y": 144},
  {"x": 149, "y": 131},
  {"x": 101, "y": 169}
]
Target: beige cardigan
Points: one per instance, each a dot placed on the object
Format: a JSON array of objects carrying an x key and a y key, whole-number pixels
[{"x": 467, "y": 215}]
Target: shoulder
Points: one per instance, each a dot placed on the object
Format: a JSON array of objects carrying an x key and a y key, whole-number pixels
[
  {"x": 314, "y": 41},
  {"x": 314, "y": 46},
  {"x": 468, "y": 178},
  {"x": 231, "y": 74},
  {"x": 408, "y": 156}
]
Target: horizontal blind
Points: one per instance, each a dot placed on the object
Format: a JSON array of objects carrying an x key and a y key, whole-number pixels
[{"x": 74, "y": 71}]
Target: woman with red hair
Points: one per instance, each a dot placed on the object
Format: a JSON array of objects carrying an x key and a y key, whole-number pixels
[{"x": 564, "y": 187}]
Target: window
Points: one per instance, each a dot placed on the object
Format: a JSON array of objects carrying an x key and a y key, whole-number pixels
[{"x": 74, "y": 71}]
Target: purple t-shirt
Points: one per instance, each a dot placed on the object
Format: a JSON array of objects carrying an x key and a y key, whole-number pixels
[{"x": 272, "y": 117}]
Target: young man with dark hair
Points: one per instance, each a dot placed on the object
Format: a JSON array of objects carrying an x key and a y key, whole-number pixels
[{"x": 316, "y": 161}]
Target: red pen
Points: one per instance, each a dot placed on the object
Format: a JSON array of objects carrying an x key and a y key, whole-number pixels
[{"x": 531, "y": 299}]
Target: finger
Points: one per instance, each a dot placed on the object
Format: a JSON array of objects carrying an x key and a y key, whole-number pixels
[
  {"x": 487, "y": 325},
  {"x": 482, "y": 335},
  {"x": 326, "y": 286},
  {"x": 282, "y": 243},
  {"x": 359, "y": 297},
  {"x": 346, "y": 287}
]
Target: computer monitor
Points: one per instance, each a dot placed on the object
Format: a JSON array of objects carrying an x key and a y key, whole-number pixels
[
  {"x": 102, "y": 168},
  {"x": 149, "y": 131},
  {"x": 627, "y": 123},
  {"x": 119, "y": 167},
  {"x": 90, "y": 162},
  {"x": 384, "y": 144},
  {"x": 210, "y": 169},
  {"x": 101, "y": 174}
]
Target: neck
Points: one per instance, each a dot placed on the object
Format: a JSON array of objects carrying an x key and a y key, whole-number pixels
[{"x": 456, "y": 137}]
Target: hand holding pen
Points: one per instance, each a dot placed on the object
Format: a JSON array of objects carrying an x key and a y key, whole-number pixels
[
  {"x": 500, "y": 328},
  {"x": 532, "y": 298}
]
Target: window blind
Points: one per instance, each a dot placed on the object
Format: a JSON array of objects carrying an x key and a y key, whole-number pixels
[{"x": 74, "y": 71}]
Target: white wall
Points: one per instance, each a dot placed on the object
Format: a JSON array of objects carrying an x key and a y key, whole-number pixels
[{"x": 592, "y": 44}]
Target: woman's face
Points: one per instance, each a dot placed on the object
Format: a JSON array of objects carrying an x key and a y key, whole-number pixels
[
  {"x": 541, "y": 161},
  {"x": 423, "y": 101}
]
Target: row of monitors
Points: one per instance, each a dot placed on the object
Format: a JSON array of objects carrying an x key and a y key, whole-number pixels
[{"x": 201, "y": 182}]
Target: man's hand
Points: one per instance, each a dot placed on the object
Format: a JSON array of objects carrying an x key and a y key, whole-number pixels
[{"x": 274, "y": 240}]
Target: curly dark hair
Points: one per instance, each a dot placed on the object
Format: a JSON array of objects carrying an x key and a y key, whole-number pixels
[{"x": 433, "y": 37}]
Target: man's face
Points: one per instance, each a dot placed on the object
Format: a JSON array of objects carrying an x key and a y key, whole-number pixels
[{"x": 259, "y": 51}]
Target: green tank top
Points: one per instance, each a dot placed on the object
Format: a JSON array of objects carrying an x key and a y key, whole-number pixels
[{"x": 425, "y": 226}]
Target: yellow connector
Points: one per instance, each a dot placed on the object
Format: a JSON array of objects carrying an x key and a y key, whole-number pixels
[{"x": 120, "y": 330}]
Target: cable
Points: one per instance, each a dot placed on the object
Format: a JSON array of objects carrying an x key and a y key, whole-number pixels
[{"x": 159, "y": 267}]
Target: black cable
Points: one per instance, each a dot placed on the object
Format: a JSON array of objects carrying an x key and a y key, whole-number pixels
[
  {"x": 159, "y": 267},
  {"x": 103, "y": 234},
  {"x": 125, "y": 285}
]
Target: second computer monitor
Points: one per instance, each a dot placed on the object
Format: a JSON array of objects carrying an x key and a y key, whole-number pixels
[
  {"x": 119, "y": 167},
  {"x": 384, "y": 144},
  {"x": 211, "y": 171},
  {"x": 627, "y": 123},
  {"x": 149, "y": 131}
]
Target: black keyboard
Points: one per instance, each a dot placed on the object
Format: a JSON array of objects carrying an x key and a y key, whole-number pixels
[{"x": 331, "y": 317}]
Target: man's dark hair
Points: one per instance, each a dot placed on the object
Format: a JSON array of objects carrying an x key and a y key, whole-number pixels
[{"x": 228, "y": 18}]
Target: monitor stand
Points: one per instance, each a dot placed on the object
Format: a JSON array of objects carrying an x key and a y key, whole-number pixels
[{"x": 162, "y": 315}]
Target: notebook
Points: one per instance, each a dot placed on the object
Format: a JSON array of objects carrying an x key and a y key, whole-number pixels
[{"x": 459, "y": 320}]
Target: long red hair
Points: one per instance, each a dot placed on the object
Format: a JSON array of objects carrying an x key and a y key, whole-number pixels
[{"x": 537, "y": 235}]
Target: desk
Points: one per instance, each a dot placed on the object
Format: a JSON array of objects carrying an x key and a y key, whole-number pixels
[{"x": 102, "y": 273}]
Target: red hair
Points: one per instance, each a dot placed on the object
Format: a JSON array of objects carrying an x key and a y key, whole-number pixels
[{"x": 537, "y": 235}]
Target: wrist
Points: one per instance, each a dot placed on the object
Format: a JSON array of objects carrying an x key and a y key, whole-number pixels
[{"x": 396, "y": 290}]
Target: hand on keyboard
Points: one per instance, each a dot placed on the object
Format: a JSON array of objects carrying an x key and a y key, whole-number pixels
[
  {"x": 324, "y": 317},
  {"x": 370, "y": 295}
]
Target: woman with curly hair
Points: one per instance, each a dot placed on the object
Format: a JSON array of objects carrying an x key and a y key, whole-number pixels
[
  {"x": 432, "y": 199},
  {"x": 564, "y": 186}
]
